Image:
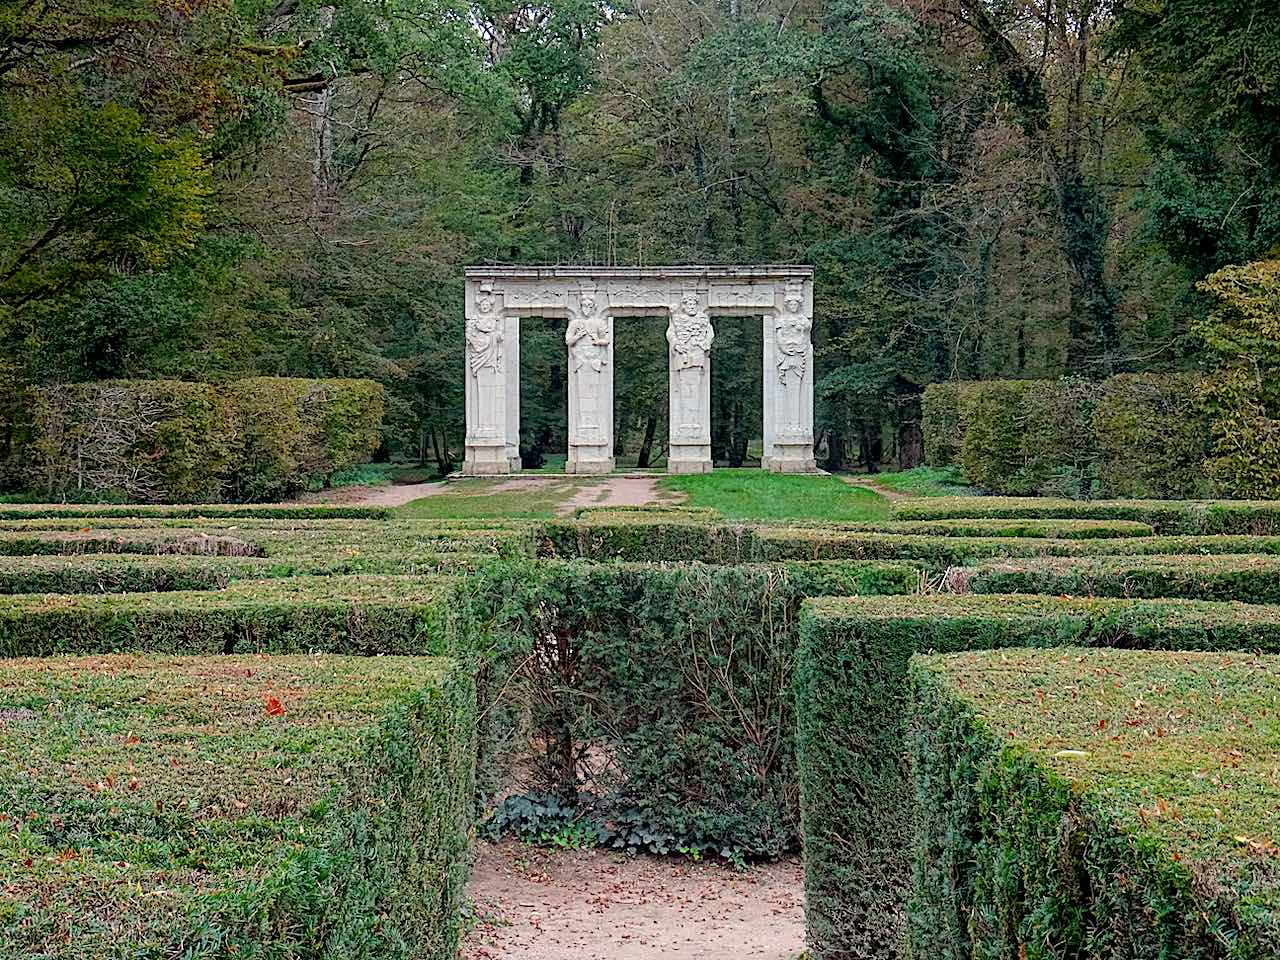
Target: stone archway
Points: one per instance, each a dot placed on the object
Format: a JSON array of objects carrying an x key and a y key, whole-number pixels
[{"x": 590, "y": 299}]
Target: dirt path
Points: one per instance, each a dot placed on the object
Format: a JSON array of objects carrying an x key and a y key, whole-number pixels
[
  {"x": 619, "y": 491},
  {"x": 869, "y": 483},
  {"x": 536, "y": 904}
]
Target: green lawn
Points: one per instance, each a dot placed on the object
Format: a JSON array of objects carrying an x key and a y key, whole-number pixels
[
  {"x": 495, "y": 497},
  {"x": 926, "y": 482},
  {"x": 749, "y": 494}
]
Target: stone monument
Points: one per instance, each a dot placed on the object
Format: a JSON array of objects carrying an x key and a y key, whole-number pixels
[{"x": 591, "y": 300}]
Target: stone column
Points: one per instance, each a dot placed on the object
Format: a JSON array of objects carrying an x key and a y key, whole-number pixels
[
  {"x": 589, "y": 339},
  {"x": 788, "y": 383},
  {"x": 512, "y": 345},
  {"x": 689, "y": 335},
  {"x": 487, "y": 371}
]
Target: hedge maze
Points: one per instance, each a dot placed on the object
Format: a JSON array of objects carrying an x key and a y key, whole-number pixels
[{"x": 996, "y": 728}]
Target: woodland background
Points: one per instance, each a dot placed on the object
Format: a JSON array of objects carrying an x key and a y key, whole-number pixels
[{"x": 218, "y": 189}]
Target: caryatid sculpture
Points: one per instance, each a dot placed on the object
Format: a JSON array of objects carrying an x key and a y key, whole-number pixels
[
  {"x": 589, "y": 338},
  {"x": 690, "y": 334},
  {"x": 484, "y": 363},
  {"x": 791, "y": 331}
]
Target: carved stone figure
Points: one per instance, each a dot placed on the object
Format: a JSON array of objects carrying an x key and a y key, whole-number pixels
[
  {"x": 690, "y": 334},
  {"x": 791, "y": 335},
  {"x": 484, "y": 360},
  {"x": 588, "y": 340}
]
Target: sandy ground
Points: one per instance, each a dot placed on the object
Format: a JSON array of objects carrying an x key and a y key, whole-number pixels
[
  {"x": 618, "y": 492},
  {"x": 609, "y": 491},
  {"x": 537, "y": 904},
  {"x": 869, "y": 483}
]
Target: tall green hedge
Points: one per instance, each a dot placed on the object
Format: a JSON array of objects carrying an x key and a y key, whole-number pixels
[
  {"x": 295, "y": 808},
  {"x": 1095, "y": 804},
  {"x": 167, "y": 441},
  {"x": 852, "y": 700},
  {"x": 678, "y": 675},
  {"x": 1143, "y": 435}
]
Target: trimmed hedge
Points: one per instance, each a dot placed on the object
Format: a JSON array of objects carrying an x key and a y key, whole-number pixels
[
  {"x": 1052, "y": 529},
  {"x": 348, "y": 615},
  {"x": 168, "y": 441},
  {"x": 1247, "y": 578},
  {"x": 132, "y": 573},
  {"x": 307, "y": 808},
  {"x": 679, "y": 675},
  {"x": 852, "y": 696},
  {"x": 1134, "y": 435},
  {"x": 1096, "y": 803},
  {"x": 1189, "y": 517},
  {"x": 178, "y": 541},
  {"x": 213, "y": 511}
]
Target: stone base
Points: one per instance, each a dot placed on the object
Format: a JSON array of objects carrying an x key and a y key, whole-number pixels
[
  {"x": 590, "y": 467},
  {"x": 515, "y": 463},
  {"x": 689, "y": 458},
  {"x": 486, "y": 460},
  {"x": 791, "y": 458}
]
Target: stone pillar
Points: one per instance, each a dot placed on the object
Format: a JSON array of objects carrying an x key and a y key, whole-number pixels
[
  {"x": 788, "y": 383},
  {"x": 487, "y": 372},
  {"x": 589, "y": 339},
  {"x": 689, "y": 336},
  {"x": 512, "y": 345}
]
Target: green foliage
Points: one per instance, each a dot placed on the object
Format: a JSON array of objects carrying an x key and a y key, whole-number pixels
[
  {"x": 1243, "y": 577},
  {"x": 170, "y": 441},
  {"x": 1130, "y": 435},
  {"x": 348, "y": 615},
  {"x": 1152, "y": 436},
  {"x": 852, "y": 699},
  {"x": 1067, "y": 815},
  {"x": 1188, "y": 518},
  {"x": 326, "y": 801},
  {"x": 1243, "y": 333},
  {"x": 681, "y": 675},
  {"x": 292, "y": 432}
]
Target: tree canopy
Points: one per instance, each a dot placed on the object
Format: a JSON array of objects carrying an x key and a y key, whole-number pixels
[{"x": 1012, "y": 188}]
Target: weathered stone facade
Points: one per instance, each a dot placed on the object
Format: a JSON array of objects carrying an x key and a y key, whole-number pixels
[{"x": 591, "y": 300}]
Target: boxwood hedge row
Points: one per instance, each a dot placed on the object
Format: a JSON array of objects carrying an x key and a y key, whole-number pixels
[
  {"x": 659, "y": 695},
  {"x": 1247, "y": 578},
  {"x": 339, "y": 614},
  {"x": 852, "y": 697},
  {"x": 236, "y": 806},
  {"x": 1091, "y": 803},
  {"x": 1182, "y": 517}
]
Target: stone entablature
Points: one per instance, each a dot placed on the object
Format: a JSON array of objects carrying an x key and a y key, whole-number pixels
[{"x": 589, "y": 299}]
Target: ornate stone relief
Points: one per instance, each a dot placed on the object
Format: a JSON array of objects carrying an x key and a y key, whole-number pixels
[{"x": 591, "y": 300}]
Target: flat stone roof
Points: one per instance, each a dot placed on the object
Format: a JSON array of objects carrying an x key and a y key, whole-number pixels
[{"x": 708, "y": 271}]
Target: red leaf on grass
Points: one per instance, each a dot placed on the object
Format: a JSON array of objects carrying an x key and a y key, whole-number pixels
[{"x": 274, "y": 707}]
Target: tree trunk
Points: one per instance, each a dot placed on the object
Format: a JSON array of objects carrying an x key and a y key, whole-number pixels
[{"x": 646, "y": 445}]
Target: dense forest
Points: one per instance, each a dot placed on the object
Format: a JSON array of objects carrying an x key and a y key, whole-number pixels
[{"x": 218, "y": 189}]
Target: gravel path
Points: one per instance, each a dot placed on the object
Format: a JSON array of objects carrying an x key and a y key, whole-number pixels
[{"x": 538, "y": 904}]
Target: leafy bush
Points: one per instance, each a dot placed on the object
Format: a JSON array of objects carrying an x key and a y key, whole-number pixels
[
  {"x": 1189, "y": 517},
  {"x": 1095, "y": 803},
  {"x": 294, "y": 432},
  {"x": 350, "y": 615},
  {"x": 1153, "y": 437},
  {"x": 1129, "y": 436},
  {"x": 1246, "y": 578},
  {"x": 314, "y": 807},
  {"x": 204, "y": 510},
  {"x": 662, "y": 691},
  {"x": 168, "y": 441},
  {"x": 138, "y": 440},
  {"x": 852, "y": 698},
  {"x": 1243, "y": 392}
]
